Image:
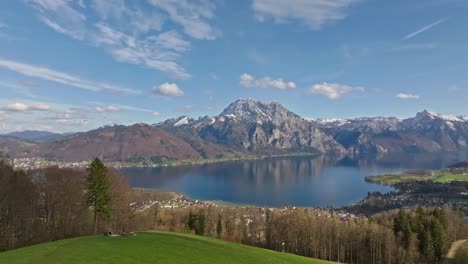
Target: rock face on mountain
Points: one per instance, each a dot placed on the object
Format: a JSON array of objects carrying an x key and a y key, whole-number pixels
[
  {"x": 256, "y": 127},
  {"x": 426, "y": 132}
]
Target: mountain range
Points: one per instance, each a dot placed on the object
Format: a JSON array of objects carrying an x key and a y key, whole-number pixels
[{"x": 245, "y": 127}]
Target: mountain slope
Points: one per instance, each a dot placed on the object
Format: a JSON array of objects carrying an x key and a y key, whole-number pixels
[
  {"x": 36, "y": 136},
  {"x": 120, "y": 143},
  {"x": 426, "y": 132},
  {"x": 148, "y": 247},
  {"x": 15, "y": 147}
]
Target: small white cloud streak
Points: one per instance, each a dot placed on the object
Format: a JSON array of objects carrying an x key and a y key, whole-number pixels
[
  {"x": 421, "y": 30},
  {"x": 168, "y": 89},
  {"x": 108, "y": 109},
  {"x": 62, "y": 77},
  {"x": 334, "y": 91},
  {"x": 22, "y": 107},
  {"x": 406, "y": 96},
  {"x": 249, "y": 81},
  {"x": 314, "y": 14}
]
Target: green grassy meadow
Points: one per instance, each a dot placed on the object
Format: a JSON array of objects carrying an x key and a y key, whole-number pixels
[
  {"x": 440, "y": 177},
  {"x": 147, "y": 247}
]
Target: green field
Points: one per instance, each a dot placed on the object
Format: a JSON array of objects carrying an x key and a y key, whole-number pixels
[
  {"x": 147, "y": 247},
  {"x": 440, "y": 177}
]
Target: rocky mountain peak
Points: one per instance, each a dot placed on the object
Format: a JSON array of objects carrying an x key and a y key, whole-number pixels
[{"x": 250, "y": 109}]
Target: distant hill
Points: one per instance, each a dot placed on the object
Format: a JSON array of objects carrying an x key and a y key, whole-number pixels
[
  {"x": 37, "y": 136},
  {"x": 15, "y": 147},
  {"x": 148, "y": 247},
  {"x": 120, "y": 143}
]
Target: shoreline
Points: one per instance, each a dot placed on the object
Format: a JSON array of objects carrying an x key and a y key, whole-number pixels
[
  {"x": 40, "y": 163},
  {"x": 406, "y": 194}
]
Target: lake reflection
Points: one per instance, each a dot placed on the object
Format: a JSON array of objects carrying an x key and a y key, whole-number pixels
[{"x": 301, "y": 181}]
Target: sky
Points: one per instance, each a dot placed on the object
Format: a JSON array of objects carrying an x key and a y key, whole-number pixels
[{"x": 77, "y": 65}]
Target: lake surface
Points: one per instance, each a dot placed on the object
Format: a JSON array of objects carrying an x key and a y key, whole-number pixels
[{"x": 301, "y": 181}]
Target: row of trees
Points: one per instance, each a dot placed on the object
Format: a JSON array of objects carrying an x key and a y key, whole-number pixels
[
  {"x": 56, "y": 203},
  {"x": 380, "y": 239},
  {"x": 426, "y": 230}
]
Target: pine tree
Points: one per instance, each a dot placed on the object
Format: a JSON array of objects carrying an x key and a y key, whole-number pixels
[
  {"x": 421, "y": 227},
  {"x": 98, "y": 194},
  {"x": 192, "y": 221},
  {"x": 219, "y": 227},
  {"x": 200, "y": 229},
  {"x": 403, "y": 223},
  {"x": 438, "y": 241}
]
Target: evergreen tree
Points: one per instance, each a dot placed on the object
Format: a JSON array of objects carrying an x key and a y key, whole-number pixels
[
  {"x": 192, "y": 221},
  {"x": 403, "y": 224},
  {"x": 421, "y": 227},
  {"x": 438, "y": 240},
  {"x": 98, "y": 194},
  {"x": 219, "y": 227},
  {"x": 200, "y": 229}
]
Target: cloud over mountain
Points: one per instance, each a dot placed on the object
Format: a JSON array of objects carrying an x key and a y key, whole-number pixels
[
  {"x": 249, "y": 81},
  {"x": 168, "y": 89},
  {"x": 334, "y": 90}
]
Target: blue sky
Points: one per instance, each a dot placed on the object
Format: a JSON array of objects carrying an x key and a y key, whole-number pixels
[{"x": 76, "y": 65}]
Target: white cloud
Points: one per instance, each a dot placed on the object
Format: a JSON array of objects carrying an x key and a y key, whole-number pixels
[
  {"x": 248, "y": 81},
  {"x": 191, "y": 15},
  {"x": 408, "y": 96},
  {"x": 61, "y": 17},
  {"x": 154, "y": 52},
  {"x": 421, "y": 30},
  {"x": 156, "y": 114},
  {"x": 138, "y": 39},
  {"x": 62, "y": 78},
  {"x": 3, "y": 25},
  {"x": 313, "y": 13},
  {"x": 334, "y": 90},
  {"x": 172, "y": 40},
  {"x": 71, "y": 121},
  {"x": 136, "y": 18},
  {"x": 107, "y": 109},
  {"x": 168, "y": 89},
  {"x": 22, "y": 107},
  {"x": 71, "y": 33}
]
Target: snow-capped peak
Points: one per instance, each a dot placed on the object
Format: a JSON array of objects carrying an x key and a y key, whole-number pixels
[
  {"x": 183, "y": 121},
  {"x": 450, "y": 118}
]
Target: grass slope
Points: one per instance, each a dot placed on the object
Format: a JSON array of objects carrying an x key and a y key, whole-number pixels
[
  {"x": 440, "y": 177},
  {"x": 147, "y": 247}
]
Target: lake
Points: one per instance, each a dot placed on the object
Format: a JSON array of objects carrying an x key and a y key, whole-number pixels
[{"x": 300, "y": 181}]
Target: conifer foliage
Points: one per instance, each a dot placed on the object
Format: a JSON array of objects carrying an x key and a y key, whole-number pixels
[{"x": 98, "y": 195}]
